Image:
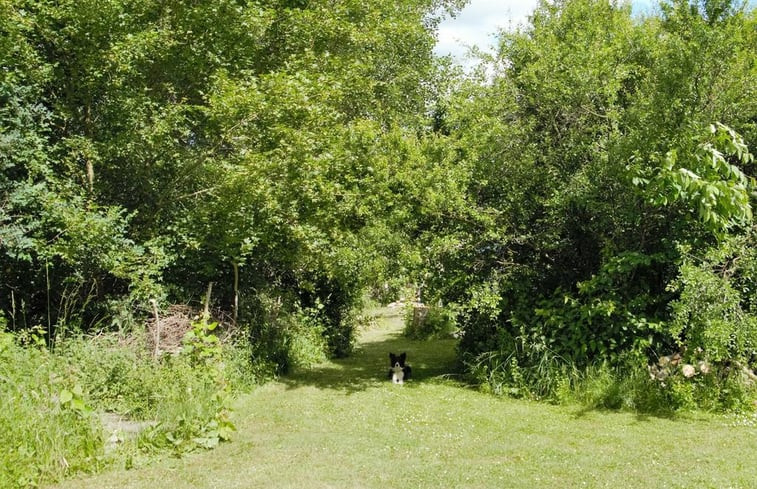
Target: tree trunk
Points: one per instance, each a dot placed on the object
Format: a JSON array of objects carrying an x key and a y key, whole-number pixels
[{"x": 206, "y": 311}]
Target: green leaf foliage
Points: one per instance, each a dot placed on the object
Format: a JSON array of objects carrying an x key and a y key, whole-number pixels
[
  {"x": 596, "y": 146},
  {"x": 295, "y": 154},
  {"x": 269, "y": 147}
]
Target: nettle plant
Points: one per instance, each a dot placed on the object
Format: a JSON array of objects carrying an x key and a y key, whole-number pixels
[
  {"x": 201, "y": 345},
  {"x": 200, "y": 372}
]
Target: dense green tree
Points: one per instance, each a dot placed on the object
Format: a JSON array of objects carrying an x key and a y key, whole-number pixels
[
  {"x": 268, "y": 146},
  {"x": 60, "y": 250},
  {"x": 573, "y": 197},
  {"x": 595, "y": 154}
]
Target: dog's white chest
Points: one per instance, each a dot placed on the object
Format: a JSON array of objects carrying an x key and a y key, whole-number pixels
[{"x": 398, "y": 376}]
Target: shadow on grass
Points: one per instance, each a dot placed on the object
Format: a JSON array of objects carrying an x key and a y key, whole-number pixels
[
  {"x": 368, "y": 366},
  {"x": 641, "y": 415}
]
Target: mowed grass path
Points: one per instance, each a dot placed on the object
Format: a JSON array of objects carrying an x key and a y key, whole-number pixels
[{"x": 342, "y": 425}]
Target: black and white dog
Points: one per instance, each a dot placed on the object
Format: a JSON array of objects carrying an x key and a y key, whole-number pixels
[{"x": 399, "y": 372}]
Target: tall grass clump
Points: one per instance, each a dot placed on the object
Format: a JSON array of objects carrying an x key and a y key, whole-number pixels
[
  {"x": 603, "y": 386},
  {"x": 47, "y": 428},
  {"x": 628, "y": 384},
  {"x": 504, "y": 373}
]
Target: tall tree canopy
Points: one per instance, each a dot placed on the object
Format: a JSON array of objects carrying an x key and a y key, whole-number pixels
[{"x": 151, "y": 147}]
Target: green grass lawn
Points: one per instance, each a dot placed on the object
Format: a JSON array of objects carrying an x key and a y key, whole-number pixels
[{"x": 343, "y": 425}]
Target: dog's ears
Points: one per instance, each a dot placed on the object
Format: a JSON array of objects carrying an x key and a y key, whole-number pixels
[{"x": 398, "y": 358}]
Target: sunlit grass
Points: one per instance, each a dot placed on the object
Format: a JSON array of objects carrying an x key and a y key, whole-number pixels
[{"x": 343, "y": 425}]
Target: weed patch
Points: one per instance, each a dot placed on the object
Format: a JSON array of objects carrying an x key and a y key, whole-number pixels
[
  {"x": 343, "y": 424},
  {"x": 629, "y": 385},
  {"x": 50, "y": 401},
  {"x": 47, "y": 429}
]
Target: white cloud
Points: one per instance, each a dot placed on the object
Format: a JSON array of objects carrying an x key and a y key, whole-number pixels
[{"x": 478, "y": 24}]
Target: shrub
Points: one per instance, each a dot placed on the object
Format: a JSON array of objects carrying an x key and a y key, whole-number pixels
[
  {"x": 708, "y": 315},
  {"x": 306, "y": 342},
  {"x": 625, "y": 384},
  {"x": 287, "y": 341},
  {"x": 721, "y": 388},
  {"x": 424, "y": 323}
]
